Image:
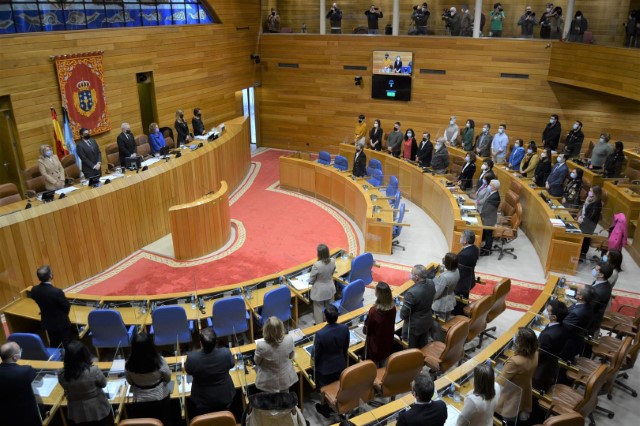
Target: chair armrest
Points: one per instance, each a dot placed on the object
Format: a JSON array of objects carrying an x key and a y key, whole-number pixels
[
  {"x": 340, "y": 281},
  {"x": 210, "y": 321},
  {"x": 191, "y": 326},
  {"x": 132, "y": 329}
]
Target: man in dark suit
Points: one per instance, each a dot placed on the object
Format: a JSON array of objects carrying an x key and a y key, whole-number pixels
[
  {"x": 578, "y": 322},
  {"x": 54, "y": 308},
  {"x": 17, "y": 402},
  {"x": 359, "y": 161},
  {"x": 89, "y": 154},
  {"x": 489, "y": 216},
  {"x": 467, "y": 259},
  {"x": 425, "y": 150},
  {"x": 212, "y": 388},
  {"x": 555, "y": 180},
  {"x": 126, "y": 143},
  {"x": 424, "y": 411},
  {"x": 330, "y": 349},
  {"x": 601, "y": 294},
  {"x": 550, "y": 343},
  {"x": 416, "y": 308}
]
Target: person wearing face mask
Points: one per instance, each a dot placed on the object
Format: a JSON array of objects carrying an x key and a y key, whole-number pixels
[
  {"x": 397, "y": 65},
  {"x": 577, "y": 322},
  {"x": 527, "y": 22},
  {"x": 452, "y": 132},
  {"x": 497, "y": 17},
  {"x": 487, "y": 167},
  {"x": 361, "y": 130},
  {"x": 600, "y": 152},
  {"x": 466, "y": 25},
  {"x": 394, "y": 140},
  {"x": 571, "y": 194},
  {"x": 409, "y": 146},
  {"x": 156, "y": 138},
  {"x": 489, "y": 216},
  {"x": 545, "y": 22},
  {"x": 465, "y": 180},
  {"x": 555, "y": 180},
  {"x": 440, "y": 159},
  {"x": 182, "y": 128},
  {"x": 126, "y": 143},
  {"x": 467, "y": 135},
  {"x": 614, "y": 162},
  {"x": 273, "y": 22},
  {"x": 517, "y": 154},
  {"x": 550, "y": 342},
  {"x": 373, "y": 15},
  {"x": 556, "y": 21},
  {"x": 375, "y": 136},
  {"x": 579, "y": 25},
  {"x": 543, "y": 168},
  {"x": 530, "y": 160},
  {"x": 197, "y": 123},
  {"x": 453, "y": 21},
  {"x": 50, "y": 168},
  {"x": 483, "y": 141},
  {"x": 425, "y": 150},
  {"x": 551, "y": 133},
  {"x": 359, "y": 161},
  {"x": 499, "y": 145},
  {"x": 416, "y": 308},
  {"x": 573, "y": 142},
  {"x": 89, "y": 154},
  {"x": 444, "y": 299},
  {"x": 613, "y": 258},
  {"x": 484, "y": 191},
  {"x": 590, "y": 216},
  {"x": 335, "y": 19},
  {"x": 601, "y": 294},
  {"x": 467, "y": 259}
]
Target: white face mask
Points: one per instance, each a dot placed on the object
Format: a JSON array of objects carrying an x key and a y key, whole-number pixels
[
  {"x": 575, "y": 126},
  {"x": 375, "y": 124},
  {"x": 501, "y": 131},
  {"x": 590, "y": 194},
  {"x": 484, "y": 167},
  {"x": 602, "y": 140},
  {"x": 578, "y": 17},
  {"x": 543, "y": 155},
  {"x": 468, "y": 125},
  {"x": 548, "y": 10},
  {"x": 467, "y": 159},
  {"x": 484, "y": 130},
  {"x": 409, "y": 134},
  {"x": 529, "y": 151},
  {"x": 452, "y": 122},
  {"x": 594, "y": 273},
  {"x": 517, "y": 145},
  {"x": 573, "y": 175},
  {"x": 551, "y": 120}
]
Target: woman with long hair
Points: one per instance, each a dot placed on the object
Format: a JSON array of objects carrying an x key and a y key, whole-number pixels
[
  {"x": 530, "y": 160},
  {"x": 321, "y": 282},
  {"x": 83, "y": 383},
  {"x": 590, "y": 216},
  {"x": 481, "y": 403},
  {"x": 182, "y": 128},
  {"x": 275, "y": 372},
  {"x": 571, "y": 196},
  {"x": 543, "y": 168},
  {"x": 375, "y": 136},
  {"x": 380, "y": 325},
  {"x": 445, "y": 300},
  {"x": 409, "y": 146}
]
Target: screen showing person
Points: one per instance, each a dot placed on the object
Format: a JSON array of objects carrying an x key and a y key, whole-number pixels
[{"x": 392, "y": 62}]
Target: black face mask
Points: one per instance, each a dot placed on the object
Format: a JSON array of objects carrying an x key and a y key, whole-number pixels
[
  {"x": 360, "y": 121},
  {"x": 86, "y": 137},
  {"x": 128, "y": 132},
  {"x": 395, "y": 128}
]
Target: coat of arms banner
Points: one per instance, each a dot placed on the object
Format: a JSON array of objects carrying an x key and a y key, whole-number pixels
[{"x": 81, "y": 80}]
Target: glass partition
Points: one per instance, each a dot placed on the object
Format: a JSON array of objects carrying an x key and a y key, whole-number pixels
[
  {"x": 117, "y": 386},
  {"x": 46, "y": 389}
]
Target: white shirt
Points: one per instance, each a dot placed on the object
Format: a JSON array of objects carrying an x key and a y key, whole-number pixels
[{"x": 477, "y": 411}]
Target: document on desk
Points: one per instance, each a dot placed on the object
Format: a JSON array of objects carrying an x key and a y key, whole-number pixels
[
  {"x": 452, "y": 415},
  {"x": 472, "y": 220},
  {"x": 301, "y": 282},
  {"x": 111, "y": 177},
  {"x": 353, "y": 338},
  {"x": 114, "y": 388},
  {"x": 117, "y": 367},
  {"x": 557, "y": 222},
  {"x": 66, "y": 190},
  {"x": 45, "y": 386},
  {"x": 150, "y": 161},
  {"x": 468, "y": 207},
  {"x": 297, "y": 335}
]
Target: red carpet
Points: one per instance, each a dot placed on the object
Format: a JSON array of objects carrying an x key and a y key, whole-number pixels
[{"x": 278, "y": 235}]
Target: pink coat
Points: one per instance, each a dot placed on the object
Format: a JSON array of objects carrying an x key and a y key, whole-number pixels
[{"x": 618, "y": 232}]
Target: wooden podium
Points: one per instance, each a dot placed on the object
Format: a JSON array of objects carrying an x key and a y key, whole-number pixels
[{"x": 202, "y": 226}]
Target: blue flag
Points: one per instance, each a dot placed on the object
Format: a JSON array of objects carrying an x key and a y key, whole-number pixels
[{"x": 68, "y": 137}]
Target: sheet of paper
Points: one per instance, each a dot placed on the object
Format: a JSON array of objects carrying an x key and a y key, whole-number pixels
[
  {"x": 67, "y": 190},
  {"x": 46, "y": 385},
  {"x": 114, "y": 388},
  {"x": 117, "y": 367},
  {"x": 471, "y": 220},
  {"x": 301, "y": 282},
  {"x": 297, "y": 335},
  {"x": 150, "y": 161},
  {"x": 468, "y": 207},
  {"x": 111, "y": 177},
  {"x": 452, "y": 416}
]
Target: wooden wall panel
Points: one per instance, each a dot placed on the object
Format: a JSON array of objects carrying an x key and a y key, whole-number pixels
[
  {"x": 316, "y": 106},
  {"x": 194, "y": 65}
]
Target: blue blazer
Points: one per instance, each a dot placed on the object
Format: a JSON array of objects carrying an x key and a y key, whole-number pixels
[
  {"x": 330, "y": 349},
  {"x": 157, "y": 142},
  {"x": 556, "y": 179},
  {"x": 516, "y": 158}
]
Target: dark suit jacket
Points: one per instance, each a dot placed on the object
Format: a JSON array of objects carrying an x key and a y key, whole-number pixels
[
  {"x": 359, "y": 164},
  {"x": 89, "y": 155},
  {"x": 433, "y": 413},
  {"x": 126, "y": 146},
  {"x": 591, "y": 218},
  {"x": 54, "y": 306},
  {"x": 425, "y": 152},
  {"x": 466, "y": 175},
  {"x": 416, "y": 309},
  {"x": 551, "y": 342},
  {"x": 183, "y": 131},
  {"x": 330, "y": 349},
  {"x": 198, "y": 126},
  {"x": 556, "y": 179},
  {"x": 489, "y": 214},
  {"x": 467, "y": 259},
  {"x": 17, "y": 403},
  {"x": 212, "y": 386},
  {"x": 601, "y": 297},
  {"x": 577, "y": 322}
]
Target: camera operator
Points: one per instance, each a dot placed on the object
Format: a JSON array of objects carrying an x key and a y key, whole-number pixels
[
  {"x": 496, "y": 16},
  {"x": 335, "y": 19},
  {"x": 527, "y": 22},
  {"x": 466, "y": 27},
  {"x": 551, "y": 22},
  {"x": 373, "y": 14},
  {"x": 452, "y": 21},
  {"x": 273, "y": 22},
  {"x": 419, "y": 17}
]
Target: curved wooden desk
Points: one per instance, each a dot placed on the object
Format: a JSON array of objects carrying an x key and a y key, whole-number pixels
[
  {"x": 202, "y": 226},
  {"x": 92, "y": 229}
]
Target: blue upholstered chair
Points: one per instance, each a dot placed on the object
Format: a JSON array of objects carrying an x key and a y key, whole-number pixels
[
  {"x": 392, "y": 189},
  {"x": 376, "y": 178},
  {"x": 397, "y": 230},
  {"x": 170, "y": 325},
  {"x": 341, "y": 163},
  {"x": 277, "y": 303},
  {"x": 324, "y": 158},
  {"x": 373, "y": 165},
  {"x": 108, "y": 330},
  {"x": 33, "y": 348},
  {"x": 230, "y": 317},
  {"x": 352, "y": 297},
  {"x": 360, "y": 269}
]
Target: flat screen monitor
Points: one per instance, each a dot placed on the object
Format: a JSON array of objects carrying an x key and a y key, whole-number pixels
[
  {"x": 132, "y": 163},
  {"x": 391, "y": 87},
  {"x": 392, "y": 62},
  {"x": 47, "y": 196}
]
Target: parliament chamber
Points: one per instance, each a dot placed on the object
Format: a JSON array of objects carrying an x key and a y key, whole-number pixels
[{"x": 306, "y": 102}]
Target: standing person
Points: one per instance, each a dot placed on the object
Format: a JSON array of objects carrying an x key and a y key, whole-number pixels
[
  {"x": 394, "y": 140},
  {"x": 373, "y": 14},
  {"x": 50, "y": 168},
  {"x": 465, "y": 180},
  {"x": 375, "y": 136},
  {"x": 545, "y": 22},
  {"x": 574, "y": 140},
  {"x": 54, "y": 308},
  {"x": 361, "y": 130},
  {"x": 571, "y": 194},
  {"x": 590, "y": 216},
  {"x": 557, "y": 23},
  {"x": 515, "y": 403},
  {"x": 527, "y": 22},
  {"x": 483, "y": 141},
  {"x": 127, "y": 147},
  {"x": 425, "y": 411},
  {"x": 543, "y": 168},
  {"x": 416, "y": 309},
  {"x": 273, "y": 21},
  {"x": 83, "y": 382},
  {"x": 182, "y": 128},
  {"x": 453, "y": 22},
  {"x": 530, "y": 160},
  {"x": 467, "y": 135},
  {"x": 379, "y": 326},
  {"x": 321, "y": 281},
  {"x": 452, "y": 132},
  {"x": 212, "y": 389},
  {"x": 330, "y": 353},
  {"x": 197, "y": 123},
  {"x": 156, "y": 139},
  {"x": 397, "y": 65},
  {"x": 499, "y": 145},
  {"x": 17, "y": 401},
  {"x": 480, "y": 404},
  {"x": 335, "y": 19},
  {"x": 613, "y": 258},
  {"x": 149, "y": 375},
  {"x": 487, "y": 168},
  {"x": 555, "y": 180},
  {"x": 440, "y": 159},
  {"x": 466, "y": 26},
  {"x": 600, "y": 152},
  {"x": 275, "y": 372},
  {"x": 496, "y": 16},
  {"x": 467, "y": 259},
  {"x": 489, "y": 216},
  {"x": 445, "y": 299},
  {"x": 421, "y": 18},
  {"x": 614, "y": 162},
  {"x": 425, "y": 150},
  {"x": 579, "y": 25},
  {"x": 551, "y": 133},
  {"x": 577, "y": 322},
  {"x": 630, "y": 29},
  {"x": 601, "y": 294},
  {"x": 90, "y": 156},
  {"x": 409, "y": 146},
  {"x": 550, "y": 341},
  {"x": 517, "y": 154},
  {"x": 359, "y": 161}
]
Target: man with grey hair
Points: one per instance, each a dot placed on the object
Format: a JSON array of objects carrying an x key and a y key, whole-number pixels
[
  {"x": 126, "y": 143},
  {"x": 416, "y": 308},
  {"x": 440, "y": 158},
  {"x": 452, "y": 132},
  {"x": 17, "y": 403},
  {"x": 489, "y": 216},
  {"x": 467, "y": 259},
  {"x": 360, "y": 160}
]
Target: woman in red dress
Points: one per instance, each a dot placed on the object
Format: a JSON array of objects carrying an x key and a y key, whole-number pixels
[
  {"x": 409, "y": 146},
  {"x": 380, "y": 325}
]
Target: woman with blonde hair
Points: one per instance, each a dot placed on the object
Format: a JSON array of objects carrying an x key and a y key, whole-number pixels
[
  {"x": 380, "y": 325},
  {"x": 50, "y": 168},
  {"x": 275, "y": 372},
  {"x": 182, "y": 128}
]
